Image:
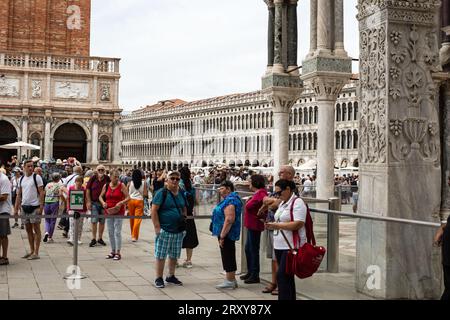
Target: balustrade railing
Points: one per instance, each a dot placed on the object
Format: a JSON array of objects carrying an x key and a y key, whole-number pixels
[{"x": 59, "y": 62}]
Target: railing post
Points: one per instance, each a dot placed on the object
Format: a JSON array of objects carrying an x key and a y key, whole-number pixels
[
  {"x": 244, "y": 268},
  {"x": 333, "y": 237},
  {"x": 76, "y": 275}
]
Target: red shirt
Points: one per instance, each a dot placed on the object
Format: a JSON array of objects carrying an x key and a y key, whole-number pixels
[
  {"x": 251, "y": 219},
  {"x": 95, "y": 186},
  {"x": 113, "y": 197}
]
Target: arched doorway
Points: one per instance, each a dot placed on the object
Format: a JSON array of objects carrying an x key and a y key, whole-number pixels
[
  {"x": 69, "y": 140},
  {"x": 9, "y": 135}
]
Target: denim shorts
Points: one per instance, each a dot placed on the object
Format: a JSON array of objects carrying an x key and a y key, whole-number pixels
[{"x": 97, "y": 210}]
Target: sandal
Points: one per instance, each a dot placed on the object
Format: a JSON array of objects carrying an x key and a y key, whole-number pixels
[
  {"x": 275, "y": 292},
  {"x": 117, "y": 257},
  {"x": 270, "y": 288},
  {"x": 110, "y": 256}
]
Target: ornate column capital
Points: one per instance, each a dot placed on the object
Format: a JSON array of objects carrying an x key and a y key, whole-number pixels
[
  {"x": 326, "y": 88},
  {"x": 282, "y": 99},
  {"x": 269, "y": 3}
]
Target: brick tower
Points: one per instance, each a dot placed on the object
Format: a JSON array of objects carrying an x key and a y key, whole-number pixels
[{"x": 45, "y": 26}]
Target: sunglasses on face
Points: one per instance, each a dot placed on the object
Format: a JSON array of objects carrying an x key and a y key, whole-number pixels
[
  {"x": 175, "y": 179},
  {"x": 278, "y": 194}
]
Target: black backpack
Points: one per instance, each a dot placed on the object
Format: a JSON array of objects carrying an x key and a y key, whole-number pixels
[{"x": 35, "y": 183}]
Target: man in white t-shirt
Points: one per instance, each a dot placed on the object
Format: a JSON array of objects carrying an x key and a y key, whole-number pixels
[
  {"x": 30, "y": 197},
  {"x": 307, "y": 187},
  {"x": 5, "y": 212},
  {"x": 69, "y": 182}
]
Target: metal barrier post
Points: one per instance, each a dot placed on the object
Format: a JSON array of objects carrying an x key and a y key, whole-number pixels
[
  {"x": 244, "y": 268},
  {"x": 75, "y": 275},
  {"x": 333, "y": 237}
]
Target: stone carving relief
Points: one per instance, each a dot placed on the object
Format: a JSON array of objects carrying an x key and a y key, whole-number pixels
[
  {"x": 71, "y": 90},
  {"x": 36, "y": 89},
  {"x": 105, "y": 92},
  {"x": 415, "y": 127},
  {"x": 369, "y": 7},
  {"x": 373, "y": 119},
  {"x": 9, "y": 87}
]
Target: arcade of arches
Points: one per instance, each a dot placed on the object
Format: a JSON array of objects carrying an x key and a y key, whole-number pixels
[{"x": 9, "y": 135}]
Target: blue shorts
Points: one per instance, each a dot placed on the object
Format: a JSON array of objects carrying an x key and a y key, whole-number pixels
[
  {"x": 97, "y": 210},
  {"x": 169, "y": 244}
]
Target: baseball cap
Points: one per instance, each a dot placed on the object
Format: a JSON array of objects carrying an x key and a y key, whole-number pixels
[
  {"x": 101, "y": 167},
  {"x": 173, "y": 173}
]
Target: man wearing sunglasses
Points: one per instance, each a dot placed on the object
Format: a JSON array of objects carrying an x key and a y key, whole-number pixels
[
  {"x": 93, "y": 190},
  {"x": 169, "y": 211}
]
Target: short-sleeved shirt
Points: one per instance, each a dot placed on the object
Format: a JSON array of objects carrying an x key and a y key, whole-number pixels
[
  {"x": 283, "y": 214},
  {"x": 169, "y": 215},
  {"x": 5, "y": 189},
  {"x": 95, "y": 186},
  {"x": 52, "y": 192},
  {"x": 30, "y": 195}
]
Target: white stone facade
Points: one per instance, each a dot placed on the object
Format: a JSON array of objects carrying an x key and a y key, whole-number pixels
[
  {"x": 235, "y": 130},
  {"x": 40, "y": 93}
]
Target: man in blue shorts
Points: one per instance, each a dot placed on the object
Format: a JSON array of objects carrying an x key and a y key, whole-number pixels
[{"x": 168, "y": 215}]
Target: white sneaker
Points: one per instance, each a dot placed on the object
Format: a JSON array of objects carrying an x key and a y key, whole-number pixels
[{"x": 232, "y": 285}]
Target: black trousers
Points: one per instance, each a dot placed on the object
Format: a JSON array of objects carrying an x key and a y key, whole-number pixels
[
  {"x": 252, "y": 252},
  {"x": 228, "y": 254},
  {"x": 446, "y": 295},
  {"x": 286, "y": 283}
]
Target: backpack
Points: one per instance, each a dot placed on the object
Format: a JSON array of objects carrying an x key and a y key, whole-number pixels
[
  {"x": 182, "y": 221},
  {"x": 305, "y": 261},
  {"x": 35, "y": 183}
]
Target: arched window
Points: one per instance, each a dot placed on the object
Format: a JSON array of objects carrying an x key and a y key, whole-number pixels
[
  {"x": 300, "y": 117},
  {"x": 355, "y": 139},
  {"x": 316, "y": 115},
  {"x": 338, "y": 112},
  {"x": 294, "y": 143},
  {"x": 350, "y": 112},
  {"x": 344, "y": 112},
  {"x": 310, "y": 141},
  {"x": 338, "y": 140},
  {"x": 355, "y": 111},
  {"x": 35, "y": 139},
  {"x": 290, "y": 118},
  {"x": 305, "y": 116},
  {"x": 305, "y": 141},
  {"x": 343, "y": 140},
  {"x": 299, "y": 136},
  {"x": 315, "y": 140},
  {"x": 349, "y": 139},
  {"x": 290, "y": 142},
  {"x": 295, "y": 117},
  {"x": 311, "y": 114}
]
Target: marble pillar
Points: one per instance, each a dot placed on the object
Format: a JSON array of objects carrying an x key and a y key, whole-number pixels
[
  {"x": 325, "y": 147},
  {"x": 47, "y": 138},
  {"x": 25, "y": 120},
  {"x": 400, "y": 165},
  {"x": 339, "y": 28},
  {"x": 278, "y": 39},
  {"x": 94, "y": 159},
  {"x": 313, "y": 27},
  {"x": 117, "y": 143},
  {"x": 324, "y": 21},
  {"x": 292, "y": 37},
  {"x": 271, "y": 35}
]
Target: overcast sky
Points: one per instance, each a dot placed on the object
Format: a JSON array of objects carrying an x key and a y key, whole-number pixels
[{"x": 192, "y": 49}]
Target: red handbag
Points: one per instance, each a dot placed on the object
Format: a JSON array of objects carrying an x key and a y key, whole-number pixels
[{"x": 305, "y": 261}]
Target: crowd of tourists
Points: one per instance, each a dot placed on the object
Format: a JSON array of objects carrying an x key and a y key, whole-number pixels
[{"x": 276, "y": 212}]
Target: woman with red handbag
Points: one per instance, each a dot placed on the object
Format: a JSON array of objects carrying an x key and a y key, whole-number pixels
[
  {"x": 113, "y": 198},
  {"x": 283, "y": 224}
]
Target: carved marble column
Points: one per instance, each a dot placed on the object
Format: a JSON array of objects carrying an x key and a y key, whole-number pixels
[
  {"x": 292, "y": 36},
  {"x": 313, "y": 27},
  {"x": 400, "y": 169},
  {"x": 339, "y": 28},
  {"x": 278, "y": 39},
  {"x": 324, "y": 21},
  {"x": 25, "y": 121},
  {"x": 445, "y": 125},
  {"x": 446, "y": 19},
  {"x": 94, "y": 153},
  {"x": 271, "y": 35},
  {"x": 445, "y": 23},
  {"x": 117, "y": 141},
  {"x": 47, "y": 136}
]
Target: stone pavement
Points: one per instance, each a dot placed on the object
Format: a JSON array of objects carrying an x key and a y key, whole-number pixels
[{"x": 133, "y": 277}]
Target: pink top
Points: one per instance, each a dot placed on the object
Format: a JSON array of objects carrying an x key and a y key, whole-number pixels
[{"x": 251, "y": 219}]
